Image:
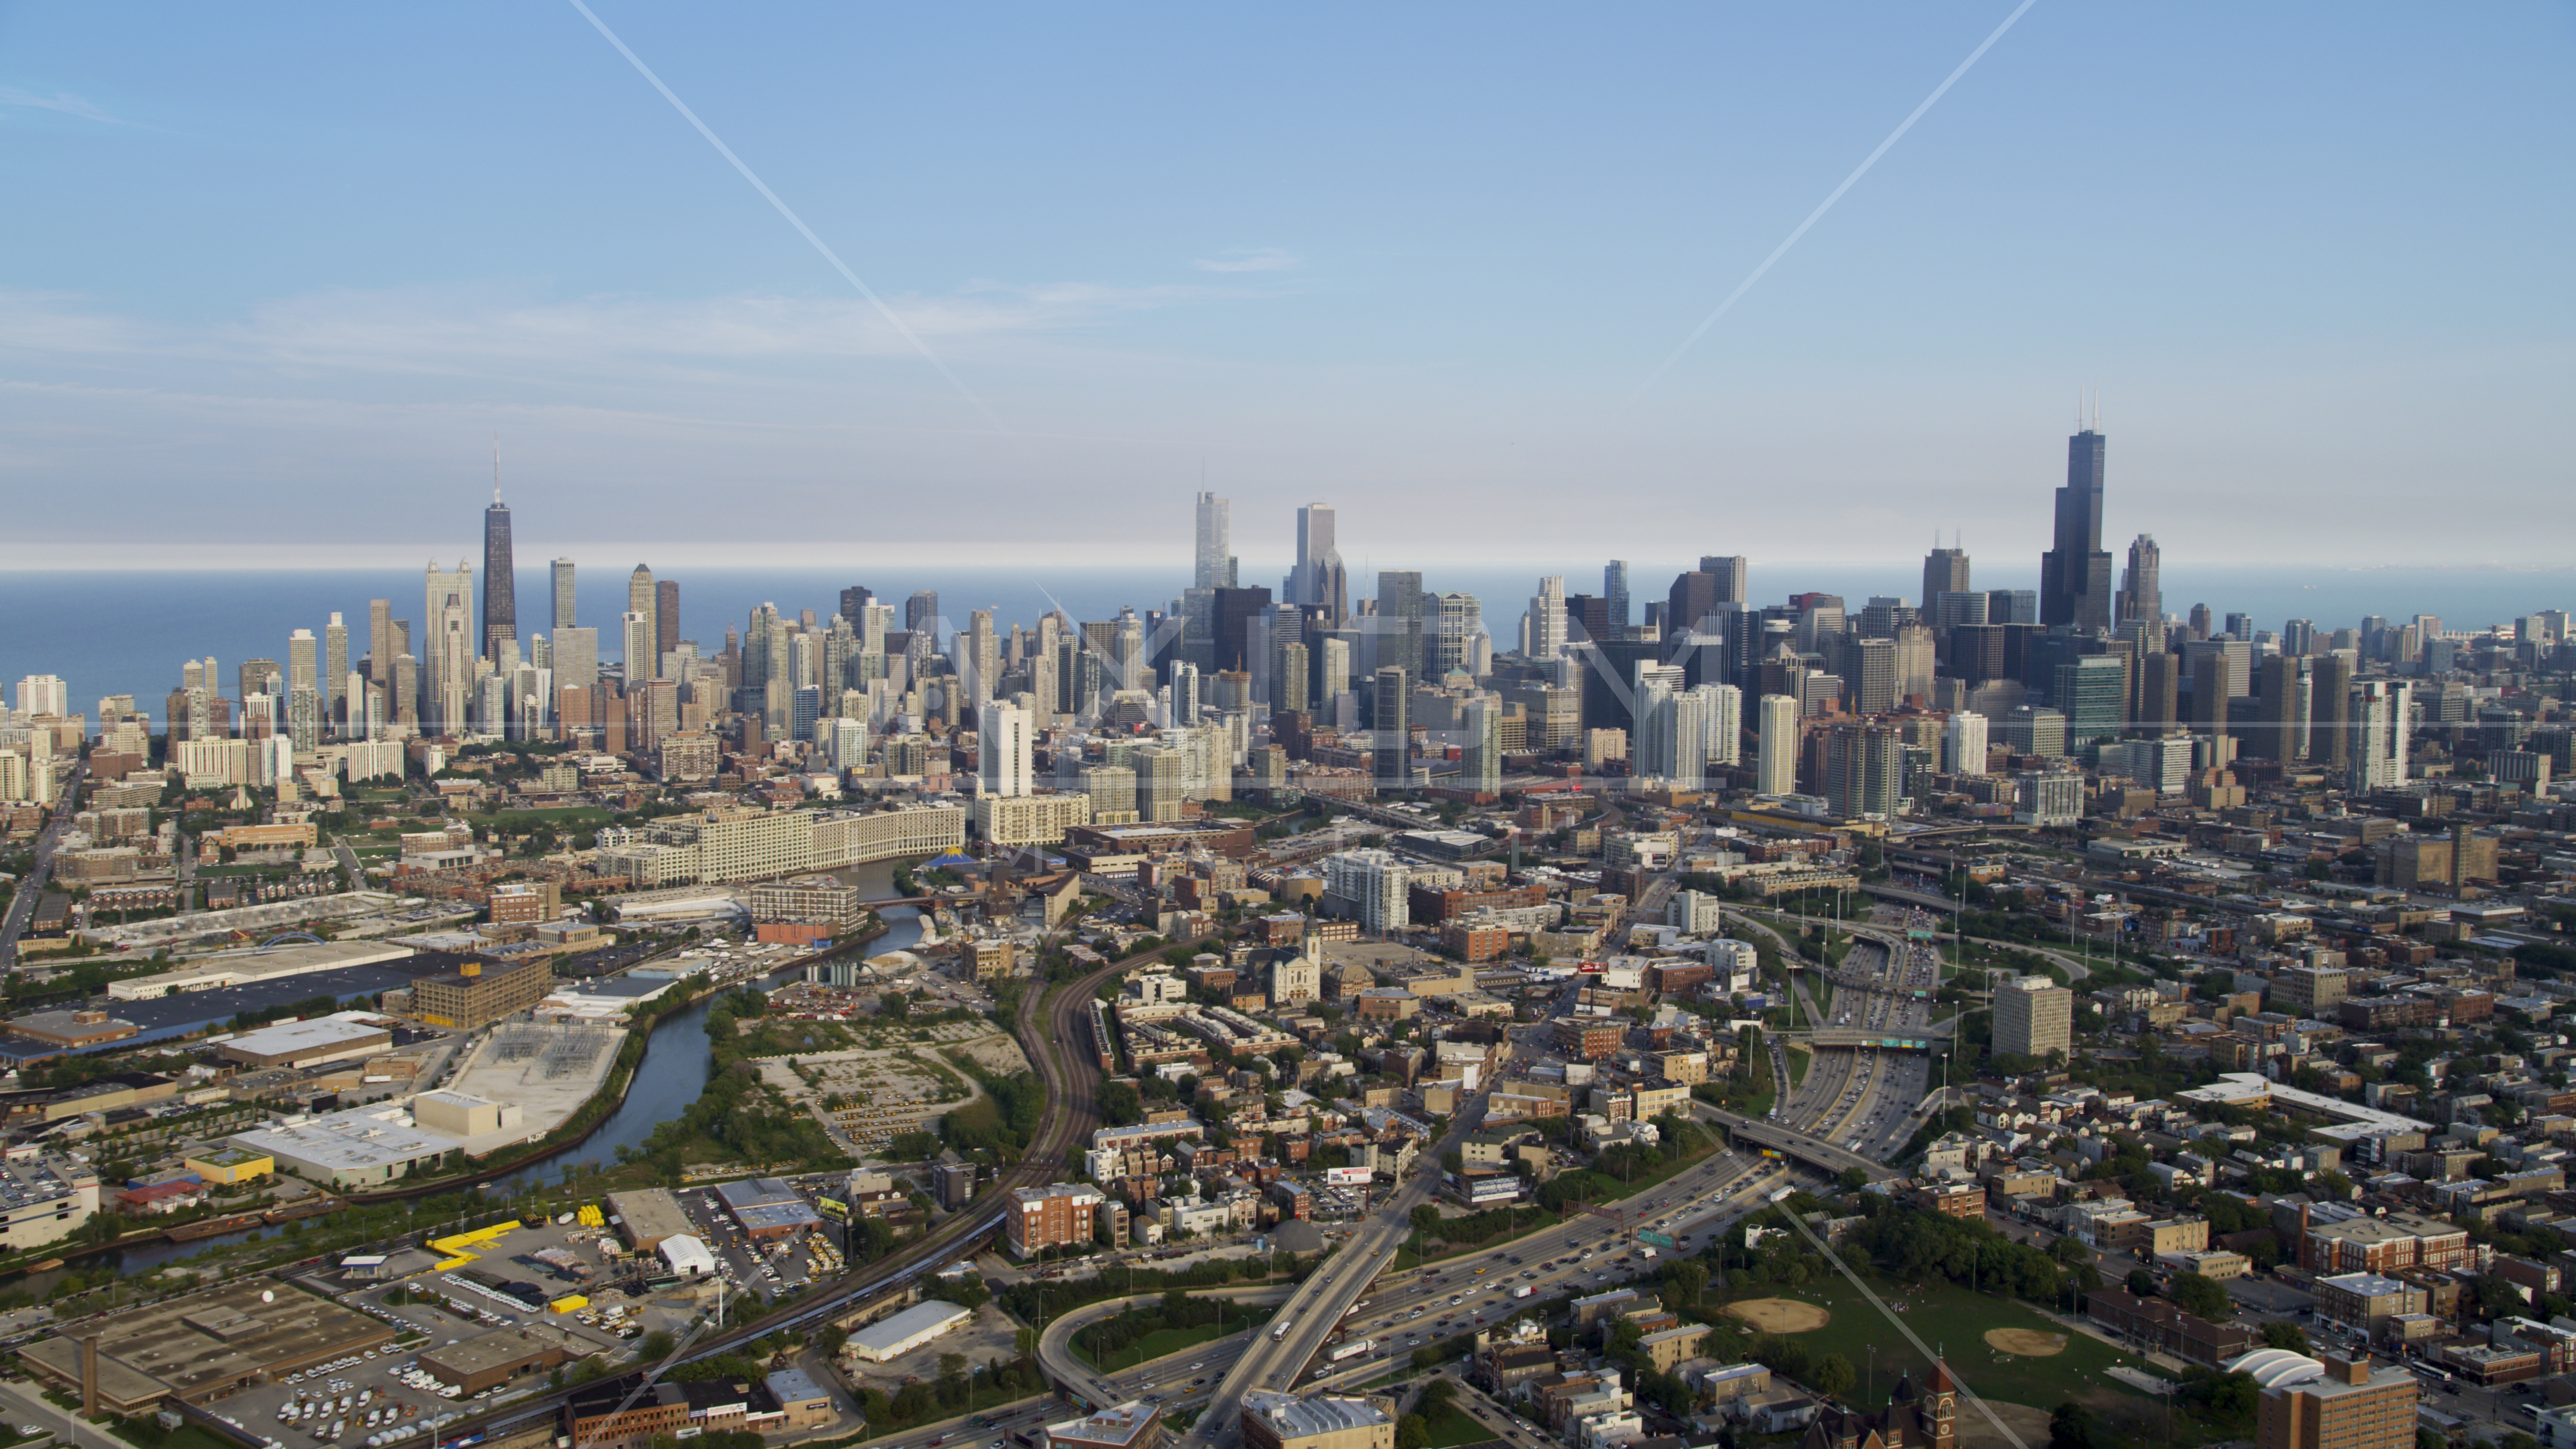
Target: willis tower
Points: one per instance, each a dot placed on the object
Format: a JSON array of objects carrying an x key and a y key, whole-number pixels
[{"x": 2075, "y": 575}]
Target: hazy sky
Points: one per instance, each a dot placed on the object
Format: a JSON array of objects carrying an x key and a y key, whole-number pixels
[{"x": 273, "y": 277}]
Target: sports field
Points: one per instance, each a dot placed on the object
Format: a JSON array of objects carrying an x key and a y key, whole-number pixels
[{"x": 1963, "y": 1327}]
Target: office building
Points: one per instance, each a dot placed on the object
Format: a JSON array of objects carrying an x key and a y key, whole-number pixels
[
  {"x": 1318, "y": 577},
  {"x": 2033, "y": 1017},
  {"x": 1945, "y": 571},
  {"x": 500, "y": 583},
  {"x": 666, "y": 620},
  {"x": 564, "y": 603},
  {"x": 1213, "y": 566},
  {"x": 1543, "y": 628},
  {"x": 1614, "y": 594},
  {"x": 2333, "y": 1401},
  {"x": 1399, "y": 628},
  {"x": 335, "y": 670},
  {"x": 2075, "y": 574},
  {"x": 1236, "y": 632},
  {"x": 1391, "y": 752},
  {"x": 1775, "y": 759},
  {"x": 2092, "y": 693},
  {"x": 2141, "y": 590},
  {"x": 449, "y": 657},
  {"x": 639, "y": 601},
  {"x": 1731, "y": 574}
]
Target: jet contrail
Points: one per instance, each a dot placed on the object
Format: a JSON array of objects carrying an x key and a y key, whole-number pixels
[
  {"x": 1821, "y": 207},
  {"x": 793, "y": 219}
]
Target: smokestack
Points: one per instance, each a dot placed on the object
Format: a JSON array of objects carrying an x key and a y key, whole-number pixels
[{"x": 89, "y": 1376}]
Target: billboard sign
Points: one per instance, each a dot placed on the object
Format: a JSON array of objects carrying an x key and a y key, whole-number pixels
[
  {"x": 1348, "y": 1176},
  {"x": 1655, "y": 1240}
]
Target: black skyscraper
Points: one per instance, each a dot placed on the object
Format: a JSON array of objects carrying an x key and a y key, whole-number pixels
[
  {"x": 2075, "y": 575},
  {"x": 500, "y": 586}
]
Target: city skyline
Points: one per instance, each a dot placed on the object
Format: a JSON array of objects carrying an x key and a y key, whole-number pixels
[{"x": 1309, "y": 325}]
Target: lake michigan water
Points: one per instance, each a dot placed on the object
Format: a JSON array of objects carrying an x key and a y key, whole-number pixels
[{"x": 128, "y": 632}]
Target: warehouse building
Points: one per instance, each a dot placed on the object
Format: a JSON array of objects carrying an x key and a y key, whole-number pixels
[
  {"x": 768, "y": 1207},
  {"x": 478, "y": 995},
  {"x": 345, "y": 1036},
  {"x": 493, "y": 1359},
  {"x": 892, "y": 1338},
  {"x": 356, "y": 1148},
  {"x": 646, "y": 1218},
  {"x": 203, "y": 1346}
]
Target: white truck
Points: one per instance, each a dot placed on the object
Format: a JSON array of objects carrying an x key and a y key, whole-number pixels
[
  {"x": 1522, "y": 1291},
  {"x": 1353, "y": 1349}
]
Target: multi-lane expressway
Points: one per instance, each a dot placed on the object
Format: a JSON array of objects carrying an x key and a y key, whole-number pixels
[{"x": 1396, "y": 1312}]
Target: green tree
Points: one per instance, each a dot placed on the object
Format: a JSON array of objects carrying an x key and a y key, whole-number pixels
[
  {"x": 1833, "y": 1375},
  {"x": 1412, "y": 1431},
  {"x": 1853, "y": 1179},
  {"x": 2193, "y": 1293},
  {"x": 2285, "y": 1335},
  {"x": 1425, "y": 1218},
  {"x": 2071, "y": 1427}
]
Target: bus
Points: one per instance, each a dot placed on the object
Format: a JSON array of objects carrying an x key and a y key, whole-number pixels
[{"x": 1279, "y": 1330}]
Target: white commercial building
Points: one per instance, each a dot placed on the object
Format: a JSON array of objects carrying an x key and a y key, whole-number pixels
[
  {"x": 892, "y": 1338},
  {"x": 686, "y": 1255}
]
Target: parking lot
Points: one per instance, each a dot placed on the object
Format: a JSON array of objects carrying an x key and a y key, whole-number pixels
[{"x": 773, "y": 1267}]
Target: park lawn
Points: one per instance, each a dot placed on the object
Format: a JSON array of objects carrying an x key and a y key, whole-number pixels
[
  {"x": 1953, "y": 1322},
  {"x": 518, "y": 821},
  {"x": 1799, "y": 1060},
  {"x": 1453, "y": 1426},
  {"x": 1160, "y": 1342}
]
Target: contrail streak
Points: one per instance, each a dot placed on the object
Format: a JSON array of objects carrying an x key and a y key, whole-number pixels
[
  {"x": 793, "y": 219},
  {"x": 1821, "y": 207}
]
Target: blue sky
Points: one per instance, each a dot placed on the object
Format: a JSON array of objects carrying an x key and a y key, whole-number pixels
[{"x": 274, "y": 278}]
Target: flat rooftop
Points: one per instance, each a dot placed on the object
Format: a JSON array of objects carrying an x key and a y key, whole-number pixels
[
  {"x": 346, "y": 1141},
  {"x": 198, "y": 1345},
  {"x": 1296, "y": 1417},
  {"x": 315, "y": 1034},
  {"x": 887, "y": 1334}
]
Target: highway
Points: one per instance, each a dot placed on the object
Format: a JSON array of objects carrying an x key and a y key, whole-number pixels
[{"x": 1395, "y": 1313}]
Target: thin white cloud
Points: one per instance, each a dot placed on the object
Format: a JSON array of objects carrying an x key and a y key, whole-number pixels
[
  {"x": 1251, "y": 259},
  {"x": 63, "y": 101},
  {"x": 481, "y": 332}
]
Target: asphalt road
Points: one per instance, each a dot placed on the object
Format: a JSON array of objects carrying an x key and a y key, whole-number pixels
[{"x": 32, "y": 889}]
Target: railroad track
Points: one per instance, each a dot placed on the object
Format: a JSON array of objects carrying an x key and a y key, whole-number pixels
[{"x": 1072, "y": 1081}]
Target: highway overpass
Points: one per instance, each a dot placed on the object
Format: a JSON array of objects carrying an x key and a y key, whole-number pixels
[{"x": 1798, "y": 1146}]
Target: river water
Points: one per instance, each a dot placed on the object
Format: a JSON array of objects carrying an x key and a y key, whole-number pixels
[{"x": 673, "y": 1073}]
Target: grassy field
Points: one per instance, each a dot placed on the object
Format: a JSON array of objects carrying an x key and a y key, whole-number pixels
[
  {"x": 1453, "y": 1426},
  {"x": 1799, "y": 1060},
  {"x": 1953, "y": 1322},
  {"x": 1162, "y": 1341}
]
